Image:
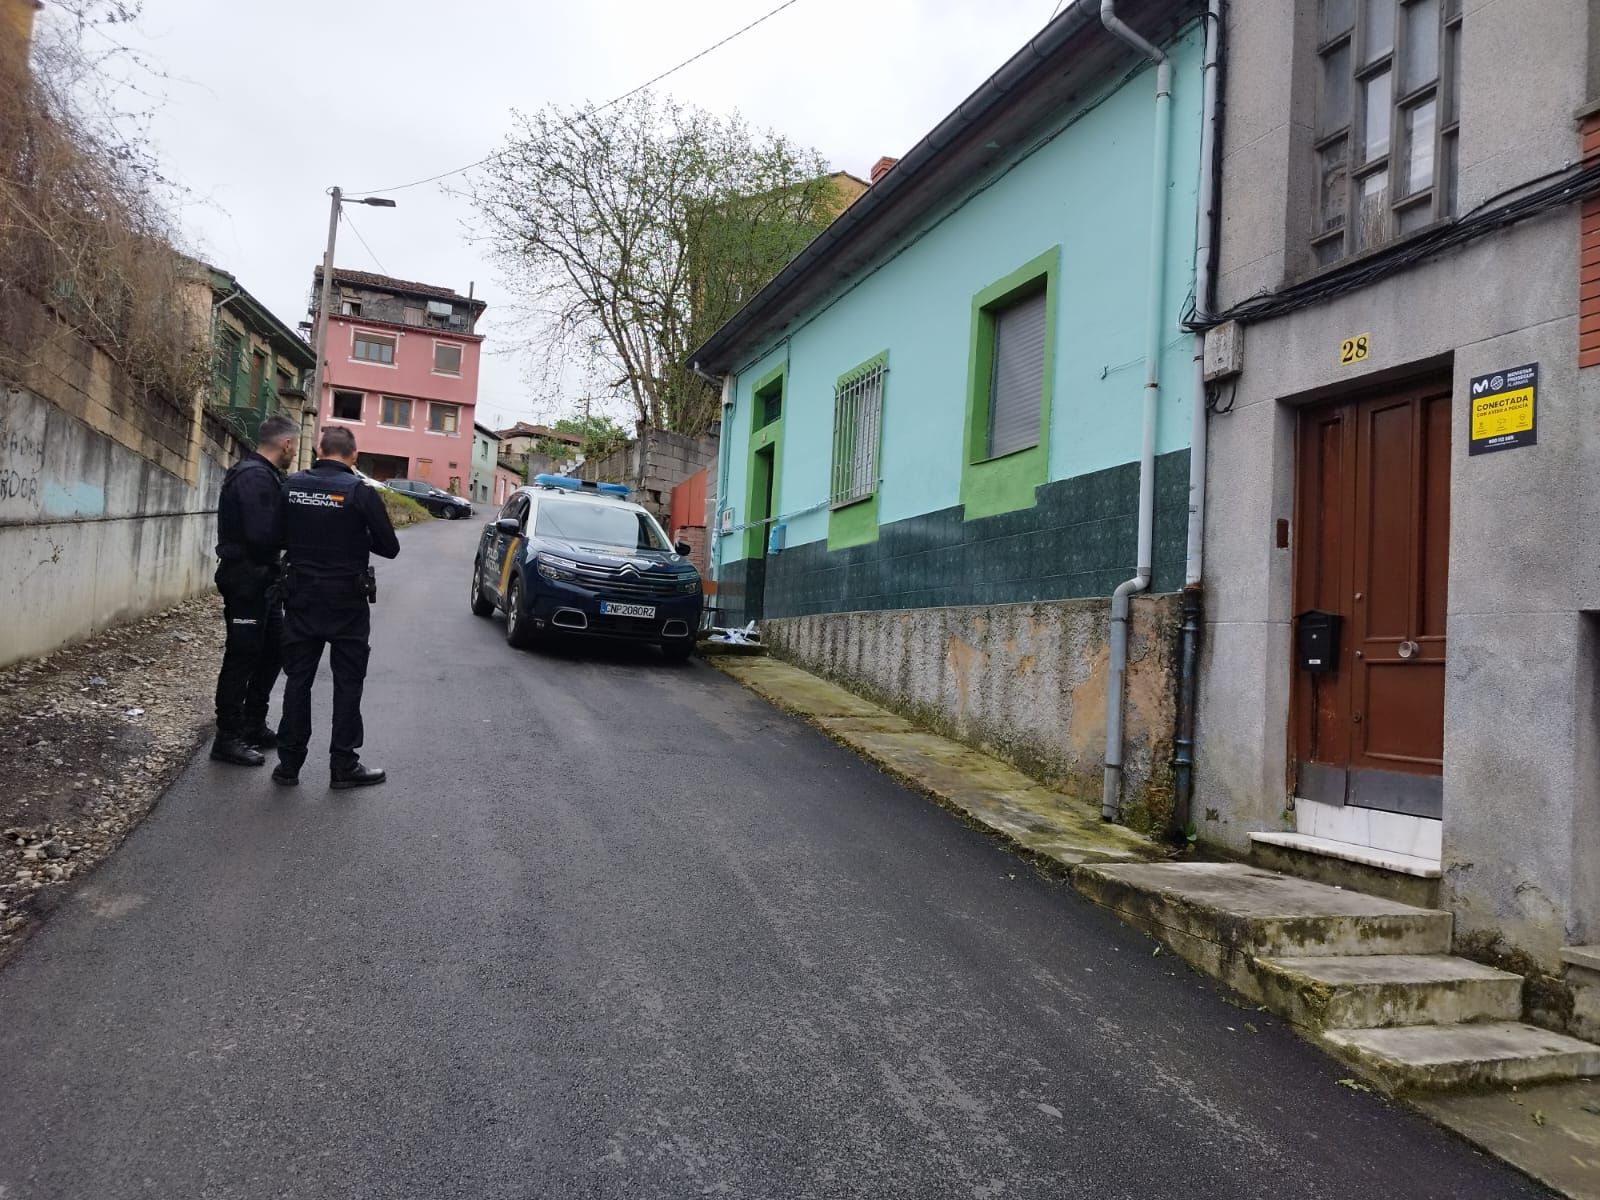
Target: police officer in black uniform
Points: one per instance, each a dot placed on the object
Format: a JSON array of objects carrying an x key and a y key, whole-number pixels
[
  {"x": 249, "y": 515},
  {"x": 331, "y": 521}
]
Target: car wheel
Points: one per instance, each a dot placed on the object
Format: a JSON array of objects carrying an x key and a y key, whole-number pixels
[
  {"x": 519, "y": 625},
  {"x": 677, "y": 652},
  {"x": 482, "y": 606}
]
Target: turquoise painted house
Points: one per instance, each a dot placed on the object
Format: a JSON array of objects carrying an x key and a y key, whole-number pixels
[
  {"x": 939, "y": 404},
  {"x": 862, "y": 377}
]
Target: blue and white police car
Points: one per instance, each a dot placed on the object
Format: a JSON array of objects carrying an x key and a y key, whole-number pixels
[{"x": 571, "y": 557}]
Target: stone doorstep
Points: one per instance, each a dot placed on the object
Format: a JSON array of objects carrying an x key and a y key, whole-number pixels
[
  {"x": 1247, "y": 912},
  {"x": 1367, "y": 856},
  {"x": 1286, "y": 854},
  {"x": 1369, "y": 979},
  {"x": 1368, "y": 991},
  {"x": 1473, "y": 1055}
]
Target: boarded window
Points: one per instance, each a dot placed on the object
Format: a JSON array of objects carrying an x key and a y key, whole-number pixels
[
  {"x": 371, "y": 347},
  {"x": 857, "y": 418},
  {"x": 446, "y": 358},
  {"x": 397, "y": 411},
  {"x": 412, "y": 316},
  {"x": 1016, "y": 380},
  {"x": 443, "y": 418}
]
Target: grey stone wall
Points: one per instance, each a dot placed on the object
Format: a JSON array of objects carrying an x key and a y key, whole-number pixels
[{"x": 1026, "y": 682}]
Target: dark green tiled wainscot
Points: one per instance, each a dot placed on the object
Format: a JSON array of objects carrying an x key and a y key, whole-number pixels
[{"x": 1077, "y": 540}]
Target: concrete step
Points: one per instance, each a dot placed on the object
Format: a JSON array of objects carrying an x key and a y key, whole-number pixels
[
  {"x": 1383, "y": 990},
  {"x": 1437, "y": 1057},
  {"x": 1211, "y": 912}
]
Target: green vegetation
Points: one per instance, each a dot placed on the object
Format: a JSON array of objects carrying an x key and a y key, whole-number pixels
[
  {"x": 601, "y": 435},
  {"x": 403, "y": 510}
]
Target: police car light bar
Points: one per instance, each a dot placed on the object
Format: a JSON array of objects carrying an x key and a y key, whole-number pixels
[{"x": 568, "y": 484}]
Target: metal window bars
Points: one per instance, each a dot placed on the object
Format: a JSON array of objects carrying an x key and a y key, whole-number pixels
[{"x": 857, "y": 417}]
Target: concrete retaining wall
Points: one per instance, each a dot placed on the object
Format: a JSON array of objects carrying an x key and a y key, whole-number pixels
[
  {"x": 93, "y": 533},
  {"x": 1025, "y": 682}
]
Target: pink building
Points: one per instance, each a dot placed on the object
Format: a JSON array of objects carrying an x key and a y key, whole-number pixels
[
  {"x": 505, "y": 482},
  {"x": 402, "y": 375}
]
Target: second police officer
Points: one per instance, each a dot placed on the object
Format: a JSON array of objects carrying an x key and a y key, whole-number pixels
[{"x": 332, "y": 520}]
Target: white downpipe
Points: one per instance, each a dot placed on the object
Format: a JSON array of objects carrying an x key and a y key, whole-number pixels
[
  {"x": 1110, "y": 801},
  {"x": 1199, "y": 424},
  {"x": 723, "y": 435}
]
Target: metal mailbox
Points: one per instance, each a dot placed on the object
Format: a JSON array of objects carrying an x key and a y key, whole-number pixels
[{"x": 1316, "y": 641}]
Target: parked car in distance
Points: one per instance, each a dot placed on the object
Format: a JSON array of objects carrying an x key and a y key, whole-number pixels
[
  {"x": 439, "y": 503},
  {"x": 571, "y": 558}
]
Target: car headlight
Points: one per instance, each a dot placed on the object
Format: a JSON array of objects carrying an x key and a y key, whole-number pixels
[
  {"x": 689, "y": 584},
  {"x": 552, "y": 567}
]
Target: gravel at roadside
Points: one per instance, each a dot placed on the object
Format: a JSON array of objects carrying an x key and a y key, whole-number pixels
[{"x": 90, "y": 737}]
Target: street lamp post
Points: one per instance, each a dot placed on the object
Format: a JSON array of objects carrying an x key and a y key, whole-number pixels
[{"x": 320, "y": 339}]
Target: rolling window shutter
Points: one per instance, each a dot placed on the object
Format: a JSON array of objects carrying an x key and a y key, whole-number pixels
[{"x": 1017, "y": 384}]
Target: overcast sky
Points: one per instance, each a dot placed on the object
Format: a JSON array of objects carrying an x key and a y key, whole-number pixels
[{"x": 272, "y": 101}]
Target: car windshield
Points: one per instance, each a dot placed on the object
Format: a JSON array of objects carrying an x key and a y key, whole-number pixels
[{"x": 608, "y": 525}]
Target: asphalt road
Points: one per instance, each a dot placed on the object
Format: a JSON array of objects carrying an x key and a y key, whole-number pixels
[{"x": 619, "y": 929}]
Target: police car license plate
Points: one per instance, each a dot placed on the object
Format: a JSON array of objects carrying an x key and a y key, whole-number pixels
[{"x": 646, "y": 611}]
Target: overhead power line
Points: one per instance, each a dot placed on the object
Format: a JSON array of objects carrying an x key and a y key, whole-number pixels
[
  {"x": 767, "y": 16},
  {"x": 363, "y": 241}
]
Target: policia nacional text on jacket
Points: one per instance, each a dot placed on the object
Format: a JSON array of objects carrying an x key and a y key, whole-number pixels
[{"x": 332, "y": 520}]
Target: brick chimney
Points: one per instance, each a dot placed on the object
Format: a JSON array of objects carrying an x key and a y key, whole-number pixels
[{"x": 881, "y": 167}]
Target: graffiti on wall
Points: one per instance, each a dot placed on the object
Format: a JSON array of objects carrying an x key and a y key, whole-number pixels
[{"x": 22, "y": 425}]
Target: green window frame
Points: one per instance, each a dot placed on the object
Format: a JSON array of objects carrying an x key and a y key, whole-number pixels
[
  {"x": 857, "y": 431},
  {"x": 764, "y": 463},
  {"x": 229, "y": 351},
  {"x": 768, "y": 399},
  {"x": 858, "y": 400},
  {"x": 1004, "y": 482}
]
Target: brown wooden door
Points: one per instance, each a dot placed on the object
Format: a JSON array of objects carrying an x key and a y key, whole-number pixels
[{"x": 1373, "y": 517}]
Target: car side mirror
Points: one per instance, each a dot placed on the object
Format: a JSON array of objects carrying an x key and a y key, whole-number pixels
[
  {"x": 508, "y": 525},
  {"x": 683, "y": 548}
]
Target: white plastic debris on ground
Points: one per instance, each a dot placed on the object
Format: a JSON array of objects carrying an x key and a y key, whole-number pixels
[{"x": 747, "y": 636}]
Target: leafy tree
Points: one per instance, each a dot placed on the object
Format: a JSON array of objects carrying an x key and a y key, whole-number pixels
[
  {"x": 632, "y": 232},
  {"x": 601, "y": 435}
]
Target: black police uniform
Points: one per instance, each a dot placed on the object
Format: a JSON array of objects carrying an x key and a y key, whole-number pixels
[
  {"x": 248, "y": 526},
  {"x": 331, "y": 521}
]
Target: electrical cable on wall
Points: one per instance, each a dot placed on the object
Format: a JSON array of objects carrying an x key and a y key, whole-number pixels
[{"x": 1573, "y": 183}]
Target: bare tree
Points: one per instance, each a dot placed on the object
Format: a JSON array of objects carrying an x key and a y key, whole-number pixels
[
  {"x": 631, "y": 233},
  {"x": 86, "y": 245}
]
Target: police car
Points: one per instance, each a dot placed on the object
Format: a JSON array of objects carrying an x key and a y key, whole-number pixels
[{"x": 571, "y": 557}]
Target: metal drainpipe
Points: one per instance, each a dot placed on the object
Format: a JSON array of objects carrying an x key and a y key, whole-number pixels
[
  {"x": 1110, "y": 801},
  {"x": 1193, "y": 605}
]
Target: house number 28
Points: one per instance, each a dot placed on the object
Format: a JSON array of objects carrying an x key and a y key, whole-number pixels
[{"x": 1353, "y": 349}]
